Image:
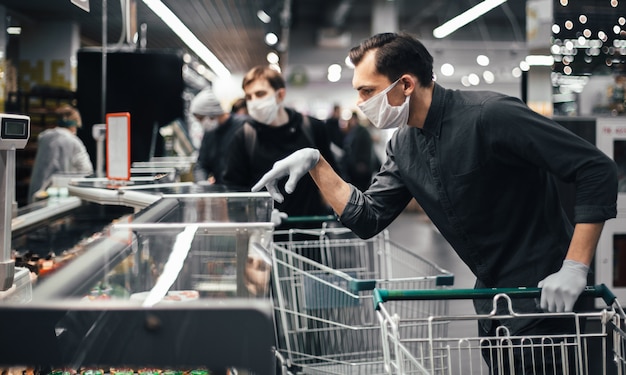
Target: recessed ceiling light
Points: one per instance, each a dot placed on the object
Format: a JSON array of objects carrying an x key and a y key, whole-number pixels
[
  {"x": 447, "y": 69},
  {"x": 482, "y": 60},
  {"x": 271, "y": 39},
  {"x": 264, "y": 17}
]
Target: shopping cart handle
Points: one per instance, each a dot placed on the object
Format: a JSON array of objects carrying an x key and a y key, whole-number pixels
[
  {"x": 357, "y": 286},
  {"x": 309, "y": 219},
  {"x": 384, "y": 295}
]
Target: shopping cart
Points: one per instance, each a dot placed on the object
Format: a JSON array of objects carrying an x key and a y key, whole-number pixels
[
  {"x": 323, "y": 283},
  {"x": 588, "y": 349}
]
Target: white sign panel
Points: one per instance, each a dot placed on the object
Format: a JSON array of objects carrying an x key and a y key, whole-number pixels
[{"x": 118, "y": 146}]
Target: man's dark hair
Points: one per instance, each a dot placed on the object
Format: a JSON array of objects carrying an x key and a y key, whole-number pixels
[{"x": 397, "y": 54}]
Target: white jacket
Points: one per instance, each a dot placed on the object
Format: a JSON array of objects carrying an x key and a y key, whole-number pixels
[{"x": 58, "y": 151}]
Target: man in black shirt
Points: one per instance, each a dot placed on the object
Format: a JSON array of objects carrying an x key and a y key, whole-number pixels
[
  {"x": 482, "y": 166},
  {"x": 272, "y": 133}
]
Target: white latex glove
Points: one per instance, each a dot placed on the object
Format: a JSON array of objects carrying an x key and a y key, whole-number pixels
[
  {"x": 561, "y": 289},
  {"x": 295, "y": 166},
  {"x": 278, "y": 217}
]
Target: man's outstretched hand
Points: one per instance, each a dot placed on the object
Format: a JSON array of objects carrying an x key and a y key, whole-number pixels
[{"x": 295, "y": 166}]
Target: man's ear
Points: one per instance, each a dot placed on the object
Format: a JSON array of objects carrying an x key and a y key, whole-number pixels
[
  {"x": 281, "y": 93},
  {"x": 409, "y": 83}
]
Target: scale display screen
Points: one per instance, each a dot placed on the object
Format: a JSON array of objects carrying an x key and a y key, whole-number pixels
[
  {"x": 14, "y": 128},
  {"x": 14, "y": 131}
]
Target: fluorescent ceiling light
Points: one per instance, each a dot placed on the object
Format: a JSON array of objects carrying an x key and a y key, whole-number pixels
[
  {"x": 539, "y": 60},
  {"x": 179, "y": 28},
  {"x": 14, "y": 30},
  {"x": 465, "y": 18},
  {"x": 82, "y": 4}
]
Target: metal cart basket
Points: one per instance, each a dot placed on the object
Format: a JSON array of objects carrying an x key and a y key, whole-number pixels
[
  {"x": 323, "y": 281},
  {"x": 585, "y": 348}
]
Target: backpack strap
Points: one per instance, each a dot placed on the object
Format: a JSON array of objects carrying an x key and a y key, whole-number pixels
[
  {"x": 249, "y": 133},
  {"x": 307, "y": 129}
]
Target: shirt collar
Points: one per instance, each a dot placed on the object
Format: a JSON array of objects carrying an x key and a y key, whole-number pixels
[{"x": 432, "y": 124}]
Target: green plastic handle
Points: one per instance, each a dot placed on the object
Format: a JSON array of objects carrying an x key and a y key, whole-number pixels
[
  {"x": 309, "y": 219},
  {"x": 359, "y": 285},
  {"x": 384, "y": 295}
]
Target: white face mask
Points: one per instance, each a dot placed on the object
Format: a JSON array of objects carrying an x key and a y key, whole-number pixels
[
  {"x": 383, "y": 115},
  {"x": 209, "y": 124},
  {"x": 263, "y": 110}
]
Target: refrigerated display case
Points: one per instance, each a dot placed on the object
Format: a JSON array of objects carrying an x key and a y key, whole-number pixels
[
  {"x": 226, "y": 222},
  {"x": 181, "y": 285},
  {"x": 47, "y": 234}
]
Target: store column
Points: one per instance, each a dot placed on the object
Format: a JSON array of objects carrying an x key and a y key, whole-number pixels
[
  {"x": 3, "y": 49},
  {"x": 538, "y": 81},
  {"x": 384, "y": 17},
  {"x": 384, "y": 20}
]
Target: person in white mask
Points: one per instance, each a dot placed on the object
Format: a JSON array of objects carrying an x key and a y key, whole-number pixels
[
  {"x": 218, "y": 128},
  {"x": 482, "y": 165},
  {"x": 273, "y": 132}
]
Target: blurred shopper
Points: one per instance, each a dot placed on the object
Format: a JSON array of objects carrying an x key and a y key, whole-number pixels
[
  {"x": 219, "y": 128},
  {"x": 239, "y": 107},
  {"x": 59, "y": 151},
  {"x": 336, "y": 133},
  {"x": 273, "y": 132},
  {"x": 358, "y": 160},
  {"x": 482, "y": 166}
]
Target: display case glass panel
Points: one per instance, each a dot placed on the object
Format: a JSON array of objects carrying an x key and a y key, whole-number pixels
[
  {"x": 206, "y": 245},
  {"x": 173, "y": 263},
  {"x": 182, "y": 285}
]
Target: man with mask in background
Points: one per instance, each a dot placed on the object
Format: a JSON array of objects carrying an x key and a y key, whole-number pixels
[
  {"x": 219, "y": 127},
  {"x": 272, "y": 133},
  {"x": 483, "y": 167},
  {"x": 59, "y": 150}
]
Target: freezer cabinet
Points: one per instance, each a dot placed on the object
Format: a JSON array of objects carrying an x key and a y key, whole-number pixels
[
  {"x": 48, "y": 234},
  {"x": 153, "y": 295},
  {"x": 74, "y": 337},
  {"x": 147, "y": 260}
]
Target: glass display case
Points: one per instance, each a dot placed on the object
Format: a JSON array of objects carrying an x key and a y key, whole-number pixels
[
  {"x": 182, "y": 285},
  {"x": 49, "y": 233}
]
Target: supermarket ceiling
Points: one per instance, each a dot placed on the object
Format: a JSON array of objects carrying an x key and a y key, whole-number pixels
[
  {"x": 312, "y": 34},
  {"x": 318, "y": 31}
]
